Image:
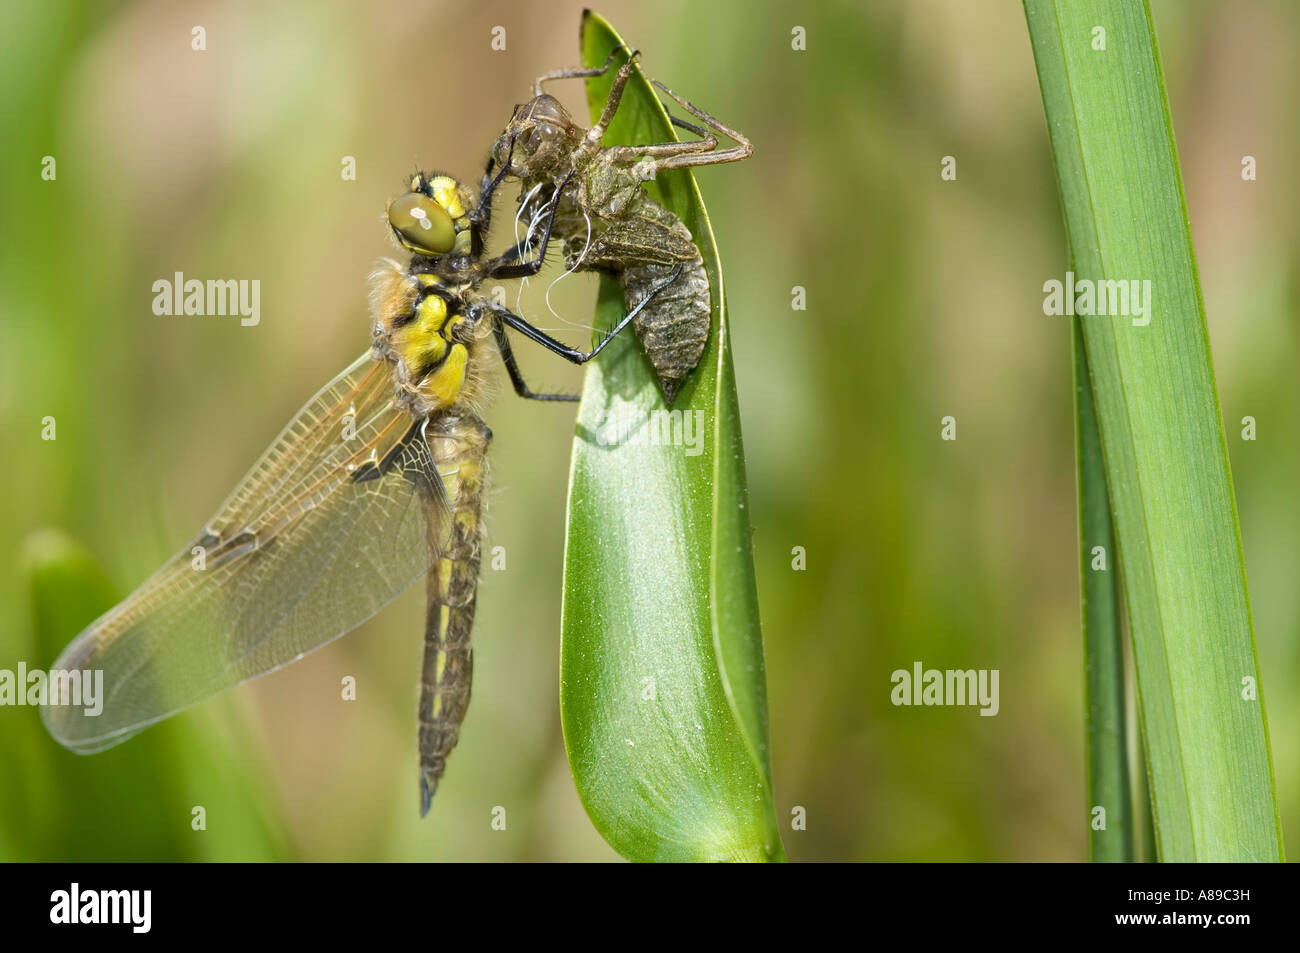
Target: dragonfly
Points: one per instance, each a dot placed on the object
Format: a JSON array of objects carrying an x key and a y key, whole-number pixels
[
  {"x": 607, "y": 220},
  {"x": 377, "y": 482}
]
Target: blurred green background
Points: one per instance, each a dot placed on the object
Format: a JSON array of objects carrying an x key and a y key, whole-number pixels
[{"x": 924, "y": 300}]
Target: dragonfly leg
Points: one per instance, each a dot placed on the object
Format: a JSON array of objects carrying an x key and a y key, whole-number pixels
[
  {"x": 503, "y": 267},
  {"x": 571, "y": 354},
  {"x": 660, "y": 151},
  {"x": 578, "y": 72},
  {"x": 679, "y": 155},
  {"x": 597, "y": 132},
  {"x": 481, "y": 217},
  {"x": 516, "y": 376},
  {"x": 742, "y": 150}
]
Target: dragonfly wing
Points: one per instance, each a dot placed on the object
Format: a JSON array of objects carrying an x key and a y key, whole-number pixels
[{"x": 343, "y": 512}]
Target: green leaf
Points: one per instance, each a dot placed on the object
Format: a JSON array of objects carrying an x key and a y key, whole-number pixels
[
  {"x": 1103, "y": 635},
  {"x": 662, "y": 686},
  {"x": 1162, "y": 437}
]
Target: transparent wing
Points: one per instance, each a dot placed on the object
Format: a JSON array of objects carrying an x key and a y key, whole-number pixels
[{"x": 342, "y": 512}]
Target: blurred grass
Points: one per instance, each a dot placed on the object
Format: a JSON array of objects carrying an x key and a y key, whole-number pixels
[
  {"x": 74, "y": 811},
  {"x": 924, "y": 300}
]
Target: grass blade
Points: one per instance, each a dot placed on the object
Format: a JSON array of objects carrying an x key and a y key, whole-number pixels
[
  {"x": 1162, "y": 436},
  {"x": 1103, "y": 646}
]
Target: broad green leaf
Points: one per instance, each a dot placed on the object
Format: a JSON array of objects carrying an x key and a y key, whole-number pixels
[
  {"x": 662, "y": 686},
  {"x": 1162, "y": 437}
]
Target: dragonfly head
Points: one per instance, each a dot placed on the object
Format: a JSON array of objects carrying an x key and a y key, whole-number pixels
[
  {"x": 543, "y": 135},
  {"x": 431, "y": 217}
]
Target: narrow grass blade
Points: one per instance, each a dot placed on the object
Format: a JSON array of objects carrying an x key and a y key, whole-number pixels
[{"x": 1110, "y": 834}]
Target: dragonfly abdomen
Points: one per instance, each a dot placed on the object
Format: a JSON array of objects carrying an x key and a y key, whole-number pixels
[{"x": 452, "y": 587}]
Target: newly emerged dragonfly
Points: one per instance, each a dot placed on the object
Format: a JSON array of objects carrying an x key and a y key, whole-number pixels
[
  {"x": 607, "y": 220},
  {"x": 377, "y": 481}
]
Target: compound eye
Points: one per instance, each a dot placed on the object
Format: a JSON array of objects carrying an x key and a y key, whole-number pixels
[
  {"x": 542, "y": 134},
  {"x": 547, "y": 108},
  {"x": 421, "y": 224}
]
